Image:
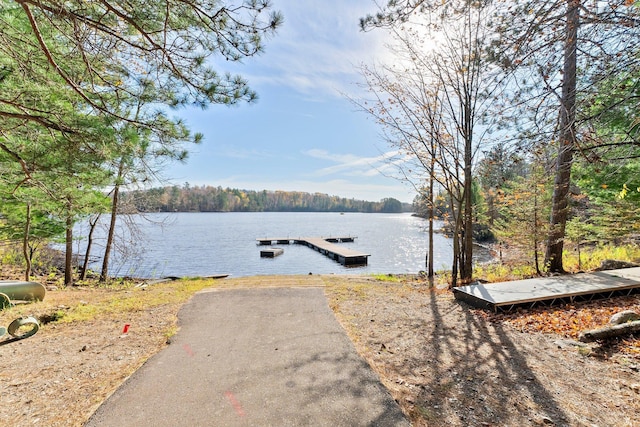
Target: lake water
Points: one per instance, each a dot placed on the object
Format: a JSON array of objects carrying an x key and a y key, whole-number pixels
[{"x": 203, "y": 244}]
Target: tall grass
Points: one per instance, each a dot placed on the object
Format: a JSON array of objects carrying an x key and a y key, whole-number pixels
[
  {"x": 386, "y": 278},
  {"x": 503, "y": 273},
  {"x": 591, "y": 258},
  {"x": 136, "y": 299}
]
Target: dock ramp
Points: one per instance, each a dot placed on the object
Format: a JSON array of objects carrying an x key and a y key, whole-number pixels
[{"x": 549, "y": 291}]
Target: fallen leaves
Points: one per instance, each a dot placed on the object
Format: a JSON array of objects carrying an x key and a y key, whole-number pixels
[{"x": 571, "y": 319}]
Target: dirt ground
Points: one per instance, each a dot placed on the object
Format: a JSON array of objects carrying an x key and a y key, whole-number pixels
[
  {"x": 59, "y": 376},
  {"x": 445, "y": 363},
  {"x": 449, "y": 365}
]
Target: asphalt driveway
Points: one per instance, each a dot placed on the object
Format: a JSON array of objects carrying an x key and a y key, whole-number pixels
[{"x": 254, "y": 357}]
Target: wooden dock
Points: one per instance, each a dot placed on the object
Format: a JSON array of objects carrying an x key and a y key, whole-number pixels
[
  {"x": 271, "y": 252},
  {"x": 547, "y": 291},
  {"x": 326, "y": 246}
]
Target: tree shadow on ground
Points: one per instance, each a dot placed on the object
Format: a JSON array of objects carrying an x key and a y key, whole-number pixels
[
  {"x": 469, "y": 372},
  {"x": 324, "y": 388}
]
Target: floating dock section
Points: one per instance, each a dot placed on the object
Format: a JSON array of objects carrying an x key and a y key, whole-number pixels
[
  {"x": 271, "y": 252},
  {"x": 547, "y": 291},
  {"x": 326, "y": 246}
]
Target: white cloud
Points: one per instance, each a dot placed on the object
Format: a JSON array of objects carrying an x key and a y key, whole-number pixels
[
  {"x": 352, "y": 165},
  {"x": 318, "y": 46}
]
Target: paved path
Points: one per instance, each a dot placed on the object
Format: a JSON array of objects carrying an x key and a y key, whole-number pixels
[{"x": 254, "y": 357}]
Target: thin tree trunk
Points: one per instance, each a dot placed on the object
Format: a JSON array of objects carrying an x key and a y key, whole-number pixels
[
  {"x": 579, "y": 256},
  {"x": 491, "y": 208},
  {"x": 467, "y": 226},
  {"x": 458, "y": 251},
  {"x": 456, "y": 261},
  {"x": 610, "y": 331},
  {"x": 536, "y": 255},
  {"x": 104, "y": 274},
  {"x": 567, "y": 141},
  {"x": 25, "y": 244},
  {"x": 68, "y": 256},
  {"x": 430, "y": 272},
  {"x": 87, "y": 253}
]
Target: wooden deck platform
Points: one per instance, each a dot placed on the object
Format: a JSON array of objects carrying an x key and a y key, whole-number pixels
[
  {"x": 326, "y": 246},
  {"x": 548, "y": 291},
  {"x": 271, "y": 252}
]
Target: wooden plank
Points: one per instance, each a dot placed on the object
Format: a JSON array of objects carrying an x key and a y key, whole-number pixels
[
  {"x": 549, "y": 288},
  {"x": 324, "y": 245},
  {"x": 287, "y": 240},
  {"x": 321, "y": 243},
  {"x": 271, "y": 252},
  {"x": 627, "y": 273},
  {"x": 344, "y": 256}
]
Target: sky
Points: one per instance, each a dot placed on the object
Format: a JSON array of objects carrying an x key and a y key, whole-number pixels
[{"x": 303, "y": 133}]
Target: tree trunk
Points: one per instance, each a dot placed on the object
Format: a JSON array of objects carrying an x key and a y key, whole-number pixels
[
  {"x": 87, "y": 253},
  {"x": 467, "y": 246},
  {"x": 104, "y": 274},
  {"x": 25, "y": 244},
  {"x": 567, "y": 142},
  {"x": 458, "y": 249},
  {"x": 456, "y": 261},
  {"x": 430, "y": 255},
  {"x": 536, "y": 256},
  {"x": 610, "y": 331},
  {"x": 68, "y": 256},
  {"x": 430, "y": 272}
]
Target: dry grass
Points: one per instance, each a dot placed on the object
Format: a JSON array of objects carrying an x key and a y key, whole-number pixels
[
  {"x": 444, "y": 364},
  {"x": 80, "y": 355}
]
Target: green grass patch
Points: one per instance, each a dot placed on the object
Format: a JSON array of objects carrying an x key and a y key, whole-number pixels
[
  {"x": 590, "y": 258},
  {"x": 129, "y": 300},
  {"x": 89, "y": 303},
  {"x": 387, "y": 278},
  {"x": 502, "y": 273},
  {"x": 343, "y": 291}
]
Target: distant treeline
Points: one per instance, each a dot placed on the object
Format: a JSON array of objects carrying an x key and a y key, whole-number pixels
[{"x": 218, "y": 199}]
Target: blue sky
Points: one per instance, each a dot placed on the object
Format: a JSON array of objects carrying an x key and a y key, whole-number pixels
[{"x": 303, "y": 134}]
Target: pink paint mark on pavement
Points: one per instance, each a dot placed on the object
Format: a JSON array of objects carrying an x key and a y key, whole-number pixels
[
  {"x": 234, "y": 402},
  {"x": 187, "y": 349}
]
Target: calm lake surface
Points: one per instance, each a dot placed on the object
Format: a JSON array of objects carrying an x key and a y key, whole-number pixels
[{"x": 203, "y": 244}]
